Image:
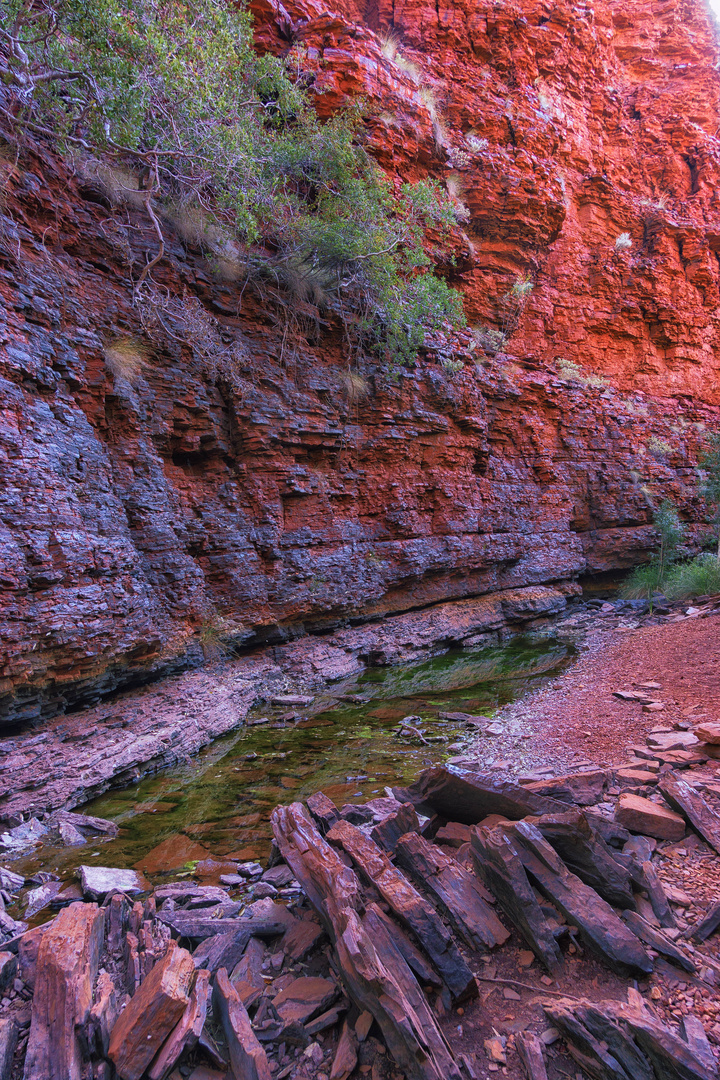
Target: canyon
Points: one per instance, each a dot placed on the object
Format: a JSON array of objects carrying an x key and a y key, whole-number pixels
[{"x": 241, "y": 481}]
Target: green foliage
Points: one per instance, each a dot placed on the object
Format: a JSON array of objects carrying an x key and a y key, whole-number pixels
[
  {"x": 217, "y": 132},
  {"x": 642, "y": 582},
  {"x": 710, "y": 463},
  {"x": 699, "y": 577},
  {"x": 646, "y": 580},
  {"x": 668, "y": 524}
]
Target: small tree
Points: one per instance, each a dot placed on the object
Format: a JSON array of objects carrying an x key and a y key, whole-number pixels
[
  {"x": 710, "y": 462},
  {"x": 645, "y": 580},
  {"x": 672, "y": 532}
]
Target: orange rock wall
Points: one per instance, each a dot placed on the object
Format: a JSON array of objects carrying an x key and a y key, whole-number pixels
[{"x": 137, "y": 513}]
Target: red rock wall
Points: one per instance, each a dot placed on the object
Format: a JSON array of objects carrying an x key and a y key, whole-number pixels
[{"x": 136, "y": 512}]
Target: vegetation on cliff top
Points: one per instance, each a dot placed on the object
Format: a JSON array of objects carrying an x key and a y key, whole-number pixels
[{"x": 229, "y": 141}]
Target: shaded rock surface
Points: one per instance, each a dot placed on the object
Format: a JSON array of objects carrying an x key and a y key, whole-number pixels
[{"x": 147, "y": 519}]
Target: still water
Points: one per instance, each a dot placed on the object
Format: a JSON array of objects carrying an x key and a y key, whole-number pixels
[{"x": 219, "y": 804}]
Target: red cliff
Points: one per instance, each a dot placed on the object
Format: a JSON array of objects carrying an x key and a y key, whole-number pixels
[{"x": 148, "y": 506}]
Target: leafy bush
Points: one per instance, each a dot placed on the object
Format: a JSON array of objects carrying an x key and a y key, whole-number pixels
[
  {"x": 642, "y": 582},
  {"x": 218, "y": 135},
  {"x": 710, "y": 464},
  {"x": 699, "y": 577},
  {"x": 646, "y": 580}
]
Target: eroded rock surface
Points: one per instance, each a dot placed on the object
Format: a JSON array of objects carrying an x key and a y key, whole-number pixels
[{"x": 146, "y": 514}]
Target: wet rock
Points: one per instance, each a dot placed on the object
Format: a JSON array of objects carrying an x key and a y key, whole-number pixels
[
  {"x": 279, "y": 875},
  {"x": 40, "y": 898},
  {"x": 10, "y": 881},
  {"x": 70, "y": 836},
  {"x": 85, "y": 824},
  {"x": 264, "y": 889},
  {"x": 172, "y": 854},
  {"x": 98, "y": 881},
  {"x": 250, "y": 869}
]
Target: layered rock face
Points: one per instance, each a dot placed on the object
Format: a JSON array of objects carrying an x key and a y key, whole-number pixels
[{"x": 150, "y": 501}]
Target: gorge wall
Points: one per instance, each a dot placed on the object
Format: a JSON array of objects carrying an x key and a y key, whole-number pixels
[{"x": 149, "y": 502}]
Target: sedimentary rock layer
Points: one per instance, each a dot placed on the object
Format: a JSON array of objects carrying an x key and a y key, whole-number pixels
[{"x": 150, "y": 507}]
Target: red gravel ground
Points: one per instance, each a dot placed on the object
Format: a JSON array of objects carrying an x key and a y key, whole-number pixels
[{"x": 576, "y": 716}]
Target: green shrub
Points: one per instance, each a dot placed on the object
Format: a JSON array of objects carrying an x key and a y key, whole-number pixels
[
  {"x": 216, "y": 134},
  {"x": 642, "y": 582},
  {"x": 699, "y": 577}
]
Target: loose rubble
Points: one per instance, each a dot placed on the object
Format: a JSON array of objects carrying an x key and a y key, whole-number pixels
[{"x": 462, "y": 927}]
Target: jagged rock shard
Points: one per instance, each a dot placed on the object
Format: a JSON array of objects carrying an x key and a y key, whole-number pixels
[
  {"x": 461, "y": 795},
  {"x": 658, "y": 899},
  {"x": 584, "y": 852},
  {"x": 423, "y": 970},
  {"x": 707, "y": 925},
  {"x": 670, "y": 1055},
  {"x": 9, "y": 1032},
  {"x": 152, "y": 1013},
  {"x": 185, "y": 1034},
  {"x": 657, "y": 940},
  {"x": 454, "y": 888},
  {"x": 600, "y": 928},
  {"x": 247, "y": 1057},
  {"x": 579, "y": 789},
  {"x": 498, "y": 865},
  {"x": 697, "y": 1040},
  {"x": 599, "y": 1045},
  {"x": 372, "y": 968},
  {"x": 693, "y": 807},
  {"x": 199, "y": 927},
  {"x": 388, "y": 831},
  {"x": 530, "y": 1052},
  {"x": 323, "y": 810},
  {"x": 67, "y": 965},
  {"x": 413, "y": 910},
  {"x": 346, "y": 1055}
]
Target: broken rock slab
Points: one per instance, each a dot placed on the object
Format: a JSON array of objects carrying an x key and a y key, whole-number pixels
[
  {"x": 98, "y": 881},
  {"x": 643, "y": 816},
  {"x": 304, "y": 999},
  {"x": 66, "y": 968},
  {"x": 152, "y": 1014}
]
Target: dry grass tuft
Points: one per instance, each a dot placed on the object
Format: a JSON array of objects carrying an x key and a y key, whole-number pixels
[
  {"x": 355, "y": 387},
  {"x": 125, "y": 357}
]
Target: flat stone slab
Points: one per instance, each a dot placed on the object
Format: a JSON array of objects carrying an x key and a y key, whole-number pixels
[
  {"x": 98, "y": 881},
  {"x": 643, "y": 816},
  {"x": 305, "y": 998},
  {"x": 672, "y": 740},
  {"x": 708, "y": 732}
]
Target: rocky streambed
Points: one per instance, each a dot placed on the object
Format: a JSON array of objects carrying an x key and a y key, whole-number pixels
[{"x": 461, "y": 927}]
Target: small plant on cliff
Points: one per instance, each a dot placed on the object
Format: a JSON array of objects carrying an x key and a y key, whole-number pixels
[
  {"x": 513, "y": 303},
  {"x": 660, "y": 449},
  {"x": 173, "y": 91},
  {"x": 623, "y": 242}
]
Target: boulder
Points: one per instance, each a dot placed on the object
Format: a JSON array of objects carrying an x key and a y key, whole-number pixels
[
  {"x": 643, "y": 816},
  {"x": 98, "y": 881}
]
